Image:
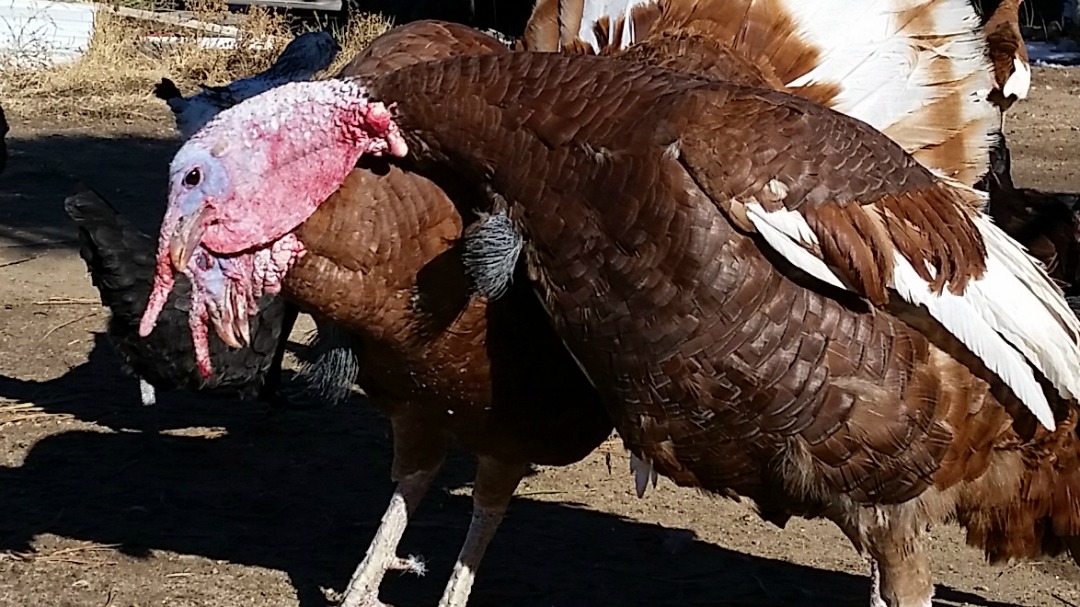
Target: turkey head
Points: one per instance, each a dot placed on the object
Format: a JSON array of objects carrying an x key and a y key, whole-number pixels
[{"x": 240, "y": 186}]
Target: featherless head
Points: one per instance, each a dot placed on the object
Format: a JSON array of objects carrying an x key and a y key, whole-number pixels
[
  {"x": 167, "y": 90},
  {"x": 240, "y": 185},
  {"x": 261, "y": 167}
]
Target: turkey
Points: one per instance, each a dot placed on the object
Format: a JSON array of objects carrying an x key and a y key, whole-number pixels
[
  {"x": 120, "y": 260},
  {"x": 381, "y": 263},
  {"x": 1012, "y": 71},
  {"x": 1046, "y": 223},
  {"x": 774, "y": 299},
  {"x": 303, "y": 57}
]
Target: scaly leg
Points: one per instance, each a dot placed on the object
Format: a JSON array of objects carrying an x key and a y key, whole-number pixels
[
  {"x": 494, "y": 486},
  {"x": 418, "y": 454},
  {"x": 899, "y": 568},
  {"x": 363, "y": 588}
]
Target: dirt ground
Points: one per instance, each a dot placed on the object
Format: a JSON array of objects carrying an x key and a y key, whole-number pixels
[{"x": 229, "y": 505}]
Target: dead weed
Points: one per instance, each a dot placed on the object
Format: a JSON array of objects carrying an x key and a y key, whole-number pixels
[{"x": 127, "y": 57}]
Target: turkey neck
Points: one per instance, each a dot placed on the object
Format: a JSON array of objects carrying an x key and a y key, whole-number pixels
[{"x": 477, "y": 113}]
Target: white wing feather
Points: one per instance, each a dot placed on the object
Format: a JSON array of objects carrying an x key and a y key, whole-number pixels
[
  {"x": 1013, "y": 317},
  {"x": 1019, "y": 81}
]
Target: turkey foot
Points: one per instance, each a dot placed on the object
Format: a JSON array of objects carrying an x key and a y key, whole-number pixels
[
  {"x": 363, "y": 588},
  {"x": 494, "y": 486}
]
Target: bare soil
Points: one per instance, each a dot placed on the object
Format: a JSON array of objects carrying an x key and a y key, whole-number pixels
[{"x": 229, "y": 505}]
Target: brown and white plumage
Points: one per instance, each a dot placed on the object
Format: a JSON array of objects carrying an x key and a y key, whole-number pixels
[
  {"x": 1011, "y": 68},
  {"x": 731, "y": 372},
  {"x": 914, "y": 70},
  {"x": 691, "y": 37},
  {"x": 657, "y": 50}
]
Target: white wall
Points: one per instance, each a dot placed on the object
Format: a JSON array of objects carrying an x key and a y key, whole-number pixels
[{"x": 44, "y": 32}]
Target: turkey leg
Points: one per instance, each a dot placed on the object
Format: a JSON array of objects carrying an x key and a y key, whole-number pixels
[
  {"x": 899, "y": 567},
  {"x": 492, "y": 490},
  {"x": 418, "y": 455}
]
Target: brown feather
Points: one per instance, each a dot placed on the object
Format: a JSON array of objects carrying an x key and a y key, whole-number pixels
[
  {"x": 422, "y": 41},
  {"x": 871, "y": 174},
  {"x": 542, "y": 30},
  {"x": 381, "y": 261}
]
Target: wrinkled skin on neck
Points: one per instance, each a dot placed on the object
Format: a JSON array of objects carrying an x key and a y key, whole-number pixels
[{"x": 242, "y": 184}]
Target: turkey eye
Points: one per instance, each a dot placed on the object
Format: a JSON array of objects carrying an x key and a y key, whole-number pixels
[
  {"x": 193, "y": 178},
  {"x": 205, "y": 263}
]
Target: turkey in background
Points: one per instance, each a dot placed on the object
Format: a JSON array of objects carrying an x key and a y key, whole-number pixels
[
  {"x": 305, "y": 56},
  {"x": 120, "y": 259}
]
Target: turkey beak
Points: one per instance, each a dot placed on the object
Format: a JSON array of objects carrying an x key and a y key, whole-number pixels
[{"x": 185, "y": 238}]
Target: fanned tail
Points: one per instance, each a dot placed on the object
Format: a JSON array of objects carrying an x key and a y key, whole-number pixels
[{"x": 915, "y": 70}]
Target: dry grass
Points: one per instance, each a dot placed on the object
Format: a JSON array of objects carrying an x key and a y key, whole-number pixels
[
  {"x": 115, "y": 78},
  {"x": 356, "y": 35}
]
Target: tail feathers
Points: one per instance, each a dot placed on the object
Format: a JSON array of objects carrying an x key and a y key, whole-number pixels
[
  {"x": 120, "y": 258},
  {"x": 543, "y": 29},
  {"x": 1046, "y": 332},
  {"x": 913, "y": 69}
]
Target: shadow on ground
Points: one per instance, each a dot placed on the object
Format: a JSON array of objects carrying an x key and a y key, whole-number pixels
[
  {"x": 302, "y": 492},
  {"x": 131, "y": 172}
]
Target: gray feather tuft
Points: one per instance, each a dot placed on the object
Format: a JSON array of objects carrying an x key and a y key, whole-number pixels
[
  {"x": 491, "y": 248},
  {"x": 333, "y": 365}
]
